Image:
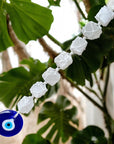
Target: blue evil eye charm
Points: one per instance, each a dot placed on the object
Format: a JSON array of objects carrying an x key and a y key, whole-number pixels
[{"x": 11, "y": 123}]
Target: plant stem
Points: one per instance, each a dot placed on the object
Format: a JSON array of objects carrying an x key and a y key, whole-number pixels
[
  {"x": 94, "y": 92},
  {"x": 47, "y": 48},
  {"x": 75, "y": 85},
  {"x": 106, "y": 82},
  {"x": 55, "y": 40},
  {"x": 107, "y": 117},
  {"x": 98, "y": 84},
  {"x": 80, "y": 10},
  {"x": 85, "y": 94}
]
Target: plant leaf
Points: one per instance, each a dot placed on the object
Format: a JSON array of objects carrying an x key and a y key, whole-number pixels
[
  {"x": 29, "y": 20},
  {"x": 35, "y": 139},
  {"x": 54, "y": 2},
  {"x": 89, "y": 135},
  {"x": 96, "y": 2},
  {"x": 5, "y": 40},
  {"x": 17, "y": 82},
  {"x": 111, "y": 56},
  {"x": 93, "y": 11},
  {"x": 59, "y": 119},
  {"x": 92, "y": 57},
  {"x": 1, "y": 3},
  {"x": 67, "y": 43},
  {"x": 96, "y": 50},
  {"x": 79, "y": 71}
]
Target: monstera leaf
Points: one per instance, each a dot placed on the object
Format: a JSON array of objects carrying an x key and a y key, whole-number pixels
[
  {"x": 89, "y": 135},
  {"x": 59, "y": 119},
  {"x": 17, "y": 82},
  {"x": 35, "y": 139}
]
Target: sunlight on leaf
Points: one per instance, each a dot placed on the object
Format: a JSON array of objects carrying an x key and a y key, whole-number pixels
[
  {"x": 29, "y": 20},
  {"x": 5, "y": 40}
]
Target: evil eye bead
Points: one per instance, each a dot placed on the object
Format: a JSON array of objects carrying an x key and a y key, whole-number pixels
[
  {"x": 11, "y": 123},
  {"x": 8, "y": 125}
]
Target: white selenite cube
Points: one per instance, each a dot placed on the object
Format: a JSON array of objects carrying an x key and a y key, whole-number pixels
[
  {"x": 38, "y": 89},
  {"x": 51, "y": 76},
  {"x": 92, "y": 30},
  {"x": 104, "y": 16},
  {"x": 25, "y": 105},
  {"x": 78, "y": 46},
  {"x": 63, "y": 60},
  {"x": 111, "y": 5}
]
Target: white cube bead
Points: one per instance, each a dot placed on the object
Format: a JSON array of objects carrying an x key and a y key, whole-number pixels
[
  {"x": 92, "y": 30},
  {"x": 104, "y": 16},
  {"x": 63, "y": 60},
  {"x": 51, "y": 76},
  {"x": 38, "y": 89},
  {"x": 78, "y": 45},
  {"x": 25, "y": 105},
  {"x": 111, "y": 5}
]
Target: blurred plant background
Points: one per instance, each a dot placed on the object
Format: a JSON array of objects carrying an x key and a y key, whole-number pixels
[{"x": 80, "y": 108}]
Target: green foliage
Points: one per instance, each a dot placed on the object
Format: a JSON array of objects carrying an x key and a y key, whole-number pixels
[
  {"x": 111, "y": 56},
  {"x": 5, "y": 40},
  {"x": 35, "y": 139},
  {"x": 96, "y": 50},
  {"x": 67, "y": 43},
  {"x": 51, "y": 90},
  {"x": 17, "y": 82},
  {"x": 79, "y": 71},
  {"x": 95, "y": 7},
  {"x": 59, "y": 116},
  {"x": 110, "y": 31},
  {"x": 93, "y": 11},
  {"x": 92, "y": 58},
  {"x": 54, "y": 2},
  {"x": 1, "y": 3},
  {"x": 29, "y": 20},
  {"x": 32, "y": 21},
  {"x": 89, "y": 135},
  {"x": 96, "y": 2}
]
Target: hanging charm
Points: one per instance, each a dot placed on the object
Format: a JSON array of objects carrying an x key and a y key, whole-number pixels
[
  {"x": 25, "y": 105},
  {"x": 104, "y": 16},
  {"x": 78, "y": 46},
  {"x": 63, "y": 60},
  {"x": 92, "y": 30},
  {"x": 11, "y": 123}
]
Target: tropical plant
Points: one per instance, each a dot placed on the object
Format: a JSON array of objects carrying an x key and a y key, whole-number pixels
[{"x": 23, "y": 20}]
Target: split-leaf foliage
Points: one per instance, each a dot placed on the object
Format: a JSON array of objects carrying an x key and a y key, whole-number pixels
[
  {"x": 59, "y": 118},
  {"x": 31, "y": 21}
]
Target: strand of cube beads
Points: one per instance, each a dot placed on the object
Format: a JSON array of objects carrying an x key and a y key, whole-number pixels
[{"x": 11, "y": 121}]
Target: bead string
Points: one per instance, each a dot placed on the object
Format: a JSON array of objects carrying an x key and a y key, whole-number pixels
[
  {"x": 14, "y": 122},
  {"x": 51, "y": 76}
]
